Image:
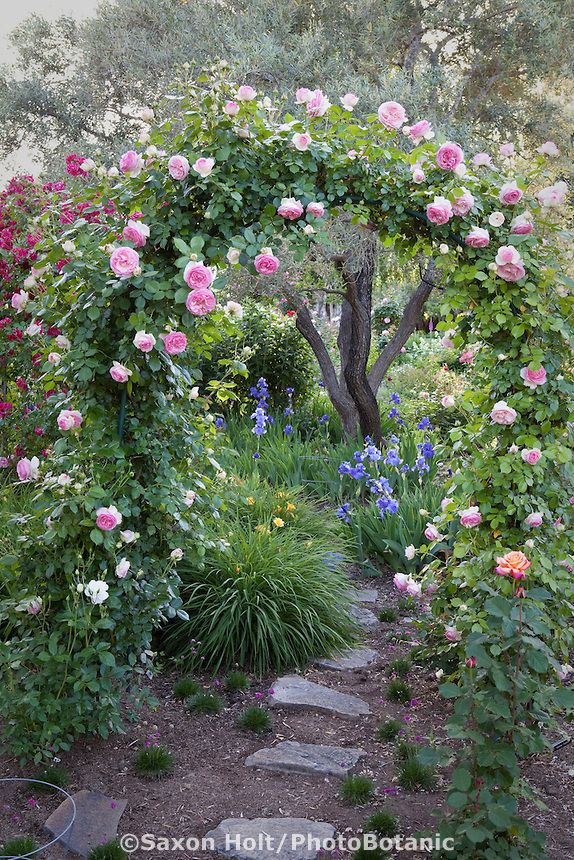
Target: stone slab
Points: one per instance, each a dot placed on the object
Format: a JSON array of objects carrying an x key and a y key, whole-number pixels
[
  {"x": 97, "y": 819},
  {"x": 273, "y": 838},
  {"x": 356, "y": 658},
  {"x": 364, "y": 595},
  {"x": 363, "y": 616},
  {"x": 293, "y": 757},
  {"x": 296, "y": 693}
]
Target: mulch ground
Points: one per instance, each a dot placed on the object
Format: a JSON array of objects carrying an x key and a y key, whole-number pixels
[{"x": 210, "y": 783}]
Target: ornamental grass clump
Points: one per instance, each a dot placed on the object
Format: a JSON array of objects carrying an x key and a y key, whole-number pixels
[
  {"x": 357, "y": 789},
  {"x": 154, "y": 762},
  {"x": 255, "y": 719}
]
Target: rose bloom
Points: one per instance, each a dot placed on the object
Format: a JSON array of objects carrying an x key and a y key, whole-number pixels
[
  {"x": 175, "y": 342},
  {"x": 131, "y": 164},
  {"x": 200, "y": 302},
  {"x": 318, "y": 104},
  {"x": 463, "y": 204},
  {"x": 418, "y": 174},
  {"x": 231, "y": 109},
  {"x": 449, "y": 156},
  {"x": 553, "y": 195},
  {"x": 233, "y": 256},
  {"x": 506, "y": 150},
  {"x": 419, "y": 131},
  {"x": 502, "y": 413},
  {"x": 234, "y": 310},
  {"x": 136, "y": 232},
  {"x": 119, "y": 372},
  {"x": 509, "y": 264},
  {"x": 97, "y": 591},
  {"x": 531, "y": 455},
  {"x": 496, "y": 219},
  {"x": 28, "y": 470},
  {"x": 316, "y": 209},
  {"x": 68, "y": 419},
  {"x": 400, "y": 581},
  {"x": 302, "y": 95},
  {"x": 410, "y": 552},
  {"x": 124, "y": 262},
  {"x": 245, "y": 93},
  {"x": 34, "y": 606},
  {"x": 548, "y": 148},
  {"x": 482, "y": 159},
  {"x": 452, "y": 634},
  {"x": 144, "y": 341},
  {"x": 413, "y": 588},
  {"x": 204, "y": 166},
  {"x": 189, "y": 498},
  {"x": 470, "y": 518},
  {"x": 510, "y": 194},
  {"x": 533, "y": 378},
  {"x": 198, "y": 276},
  {"x": 521, "y": 225},
  {"x": 108, "y": 518},
  {"x": 266, "y": 263},
  {"x": 439, "y": 211},
  {"x": 178, "y": 166},
  {"x": 535, "y": 519},
  {"x": 122, "y": 568},
  {"x": 431, "y": 532},
  {"x": 392, "y": 115},
  {"x": 349, "y": 100},
  {"x": 290, "y": 208},
  {"x": 128, "y": 536},
  {"x": 477, "y": 238},
  {"x": 447, "y": 401},
  {"x": 446, "y": 339},
  {"x": 445, "y": 503},
  {"x": 54, "y": 358},
  {"x": 466, "y": 357},
  {"x": 301, "y": 141},
  {"x": 20, "y": 300}
]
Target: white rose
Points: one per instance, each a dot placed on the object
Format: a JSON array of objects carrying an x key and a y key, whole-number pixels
[
  {"x": 194, "y": 393},
  {"x": 496, "y": 219},
  {"x": 410, "y": 552},
  {"x": 97, "y": 591},
  {"x": 176, "y": 554},
  {"x": 233, "y": 256},
  {"x": 68, "y": 247},
  {"x": 122, "y": 568}
]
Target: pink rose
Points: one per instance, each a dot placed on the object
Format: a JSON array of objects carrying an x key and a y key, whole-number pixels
[
  {"x": 400, "y": 581},
  {"x": 418, "y": 131},
  {"x": 198, "y": 276},
  {"x": 418, "y": 174},
  {"x": 303, "y": 95},
  {"x": 34, "y": 606},
  {"x": 439, "y": 211},
  {"x": 506, "y": 150},
  {"x": 119, "y": 372},
  {"x": 444, "y": 503},
  {"x": 144, "y": 341},
  {"x": 446, "y": 340},
  {"x": 178, "y": 167},
  {"x": 68, "y": 419},
  {"x": 204, "y": 166},
  {"x": 521, "y": 225},
  {"x": 548, "y": 148},
  {"x": 200, "y": 302},
  {"x": 502, "y": 413},
  {"x": 449, "y": 156},
  {"x": 531, "y": 455},
  {"x": 392, "y": 115},
  {"x": 131, "y": 164},
  {"x": 266, "y": 263},
  {"x": 290, "y": 208},
  {"x": 431, "y": 532},
  {"x": 466, "y": 357},
  {"x": 231, "y": 109},
  {"x": 533, "y": 378},
  {"x": 28, "y": 470},
  {"x": 316, "y": 209},
  {"x": 477, "y": 238},
  {"x": 318, "y": 104},
  {"x": 124, "y": 262},
  {"x": 136, "y": 232},
  {"x": 349, "y": 100},
  {"x": 413, "y": 588},
  {"x": 452, "y": 634},
  {"x": 482, "y": 159},
  {"x": 463, "y": 204},
  {"x": 4, "y": 463},
  {"x": 510, "y": 194},
  {"x": 122, "y": 568},
  {"x": 20, "y": 300},
  {"x": 509, "y": 264},
  {"x": 301, "y": 141},
  {"x": 470, "y": 518},
  {"x": 534, "y": 519},
  {"x": 553, "y": 195},
  {"x": 245, "y": 93},
  {"x": 108, "y": 518},
  {"x": 175, "y": 341},
  {"x": 447, "y": 401}
]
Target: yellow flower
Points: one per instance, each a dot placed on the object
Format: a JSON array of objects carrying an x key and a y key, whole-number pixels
[
  {"x": 250, "y": 500},
  {"x": 278, "y": 522},
  {"x": 290, "y": 506},
  {"x": 278, "y": 509},
  {"x": 262, "y": 529}
]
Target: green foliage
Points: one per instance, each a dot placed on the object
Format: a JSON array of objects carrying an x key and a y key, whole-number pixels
[
  {"x": 236, "y": 681},
  {"x": 406, "y": 751},
  {"x": 184, "y": 688},
  {"x": 55, "y": 775},
  {"x": 401, "y": 667},
  {"x": 154, "y": 762},
  {"x": 383, "y": 823},
  {"x": 388, "y": 730},
  {"x": 388, "y": 615},
  {"x": 366, "y": 853},
  {"x": 18, "y": 847},
  {"x": 206, "y": 703},
  {"x": 414, "y": 776},
  {"x": 255, "y": 719},
  {"x": 398, "y": 691},
  {"x": 109, "y": 851},
  {"x": 356, "y": 789}
]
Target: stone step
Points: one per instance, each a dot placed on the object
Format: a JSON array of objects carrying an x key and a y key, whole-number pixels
[
  {"x": 271, "y": 838},
  {"x": 355, "y": 658},
  {"x": 96, "y": 822},
  {"x": 363, "y": 595},
  {"x": 296, "y": 693},
  {"x": 363, "y": 616},
  {"x": 293, "y": 757}
]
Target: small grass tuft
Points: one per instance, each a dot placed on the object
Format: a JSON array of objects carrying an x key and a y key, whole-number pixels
[
  {"x": 383, "y": 823},
  {"x": 399, "y": 691},
  {"x": 414, "y": 776},
  {"x": 184, "y": 688},
  {"x": 206, "y": 703},
  {"x": 364, "y": 853},
  {"x": 255, "y": 719},
  {"x": 154, "y": 762},
  {"x": 109, "y": 851},
  {"x": 389, "y": 730},
  {"x": 57, "y": 776},
  {"x": 406, "y": 751},
  {"x": 400, "y": 667},
  {"x": 236, "y": 681},
  {"x": 357, "y": 789},
  {"x": 17, "y": 847},
  {"x": 389, "y": 615}
]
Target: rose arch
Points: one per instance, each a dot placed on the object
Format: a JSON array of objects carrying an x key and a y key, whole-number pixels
[{"x": 241, "y": 186}]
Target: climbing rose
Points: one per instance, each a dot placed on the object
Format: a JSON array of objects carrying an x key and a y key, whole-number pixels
[
  {"x": 431, "y": 532},
  {"x": 178, "y": 167},
  {"x": 245, "y": 93},
  {"x": 302, "y": 95},
  {"x": 54, "y": 358},
  {"x": 318, "y": 104},
  {"x": 301, "y": 141},
  {"x": 97, "y": 591},
  {"x": 266, "y": 263},
  {"x": 548, "y": 148},
  {"x": 233, "y": 256},
  {"x": 463, "y": 204},
  {"x": 447, "y": 401},
  {"x": 470, "y": 518},
  {"x": 28, "y": 470},
  {"x": 124, "y": 262},
  {"x": 418, "y": 131},
  {"x": 449, "y": 156},
  {"x": 477, "y": 238},
  {"x": 175, "y": 341},
  {"x": 122, "y": 568},
  {"x": 509, "y": 264},
  {"x": 400, "y": 580},
  {"x": 502, "y": 413},
  {"x": 131, "y": 164},
  {"x": 534, "y": 519},
  {"x": 349, "y": 100},
  {"x": 531, "y": 455},
  {"x": 418, "y": 174},
  {"x": 68, "y": 419},
  {"x": 144, "y": 341},
  {"x": 533, "y": 378},
  {"x": 452, "y": 634},
  {"x": 290, "y": 208},
  {"x": 20, "y": 300},
  {"x": 231, "y": 109},
  {"x": 119, "y": 372},
  {"x": 108, "y": 518},
  {"x": 392, "y": 115},
  {"x": 482, "y": 159},
  {"x": 198, "y": 276},
  {"x": 553, "y": 195},
  {"x": 439, "y": 211},
  {"x": 316, "y": 209},
  {"x": 506, "y": 150},
  {"x": 521, "y": 225},
  {"x": 510, "y": 194},
  {"x": 200, "y": 302},
  {"x": 466, "y": 357},
  {"x": 136, "y": 232},
  {"x": 513, "y": 564},
  {"x": 204, "y": 166},
  {"x": 234, "y": 310}
]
